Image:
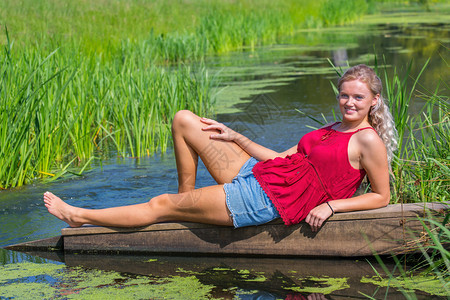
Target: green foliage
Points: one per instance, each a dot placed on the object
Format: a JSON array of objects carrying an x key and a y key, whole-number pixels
[
  {"x": 342, "y": 11},
  {"x": 430, "y": 273},
  {"x": 168, "y": 31},
  {"x": 421, "y": 166},
  {"x": 52, "y": 117}
]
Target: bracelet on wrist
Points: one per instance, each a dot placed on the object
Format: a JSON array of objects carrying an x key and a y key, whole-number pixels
[{"x": 332, "y": 211}]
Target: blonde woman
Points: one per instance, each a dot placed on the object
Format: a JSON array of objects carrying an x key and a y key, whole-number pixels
[{"x": 310, "y": 181}]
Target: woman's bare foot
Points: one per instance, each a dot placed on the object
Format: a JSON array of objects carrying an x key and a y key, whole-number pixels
[{"x": 61, "y": 209}]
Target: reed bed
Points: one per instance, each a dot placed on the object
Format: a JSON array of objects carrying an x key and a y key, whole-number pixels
[
  {"x": 54, "y": 117},
  {"x": 422, "y": 164},
  {"x": 168, "y": 31}
]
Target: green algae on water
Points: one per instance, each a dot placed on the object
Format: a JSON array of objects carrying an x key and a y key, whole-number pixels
[
  {"x": 139, "y": 288},
  {"x": 26, "y": 280},
  {"x": 28, "y": 290},
  {"x": 223, "y": 269},
  {"x": 80, "y": 278},
  {"x": 27, "y": 269},
  {"x": 45, "y": 281},
  {"x": 181, "y": 270},
  {"x": 428, "y": 284},
  {"x": 323, "y": 285},
  {"x": 258, "y": 278}
]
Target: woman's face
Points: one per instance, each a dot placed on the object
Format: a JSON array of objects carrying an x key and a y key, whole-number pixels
[{"x": 355, "y": 100}]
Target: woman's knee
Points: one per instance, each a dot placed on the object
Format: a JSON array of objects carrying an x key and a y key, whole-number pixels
[
  {"x": 159, "y": 202},
  {"x": 183, "y": 119},
  {"x": 160, "y": 207}
]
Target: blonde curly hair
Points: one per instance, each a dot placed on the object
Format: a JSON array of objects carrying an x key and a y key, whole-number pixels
[{"x": 380, "y": 117}]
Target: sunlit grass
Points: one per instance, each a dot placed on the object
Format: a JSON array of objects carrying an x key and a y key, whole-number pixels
[
  {"x": 54, "y": 116},
  {"x": 168, "y": 31},
  {"x": 422, "y": 163}
]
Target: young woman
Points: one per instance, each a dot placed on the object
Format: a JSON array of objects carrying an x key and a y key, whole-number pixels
[{"x": 310, "y": 181}]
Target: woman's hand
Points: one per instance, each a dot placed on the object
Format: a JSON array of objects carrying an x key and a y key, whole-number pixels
[
  {"x": 253, "y": 149},
  {"x": 225, "y": 133},
  {"x": 318, "y": 215}
]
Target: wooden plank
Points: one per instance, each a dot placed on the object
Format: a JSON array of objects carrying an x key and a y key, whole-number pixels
[
  {"x": 383, "y": 230},
  {"x": 361, "y": 233},
  {"x": 170, "y": 226},
  {"x": 344, "y": 238},
  {"x": 49, "y": 244}
]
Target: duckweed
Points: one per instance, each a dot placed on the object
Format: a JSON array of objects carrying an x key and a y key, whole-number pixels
[
  {"x": 323, "y": 285},
  {"x": 43, "y": 281},
  {"x": 28, "y": 290},
  {"x": 26, "y": 270},
  {"x": 429, "y": 284}
]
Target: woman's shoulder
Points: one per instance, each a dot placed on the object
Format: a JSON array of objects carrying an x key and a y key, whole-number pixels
[{"x": 368, "y": 137}]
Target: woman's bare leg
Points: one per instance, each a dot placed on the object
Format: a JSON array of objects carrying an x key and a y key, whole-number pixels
[
  {"x": 222, "y": 159},
  {"x": 205, "y": 205}
]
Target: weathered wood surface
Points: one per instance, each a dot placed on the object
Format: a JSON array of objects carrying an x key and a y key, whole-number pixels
[{"x": 391, "y": 229}]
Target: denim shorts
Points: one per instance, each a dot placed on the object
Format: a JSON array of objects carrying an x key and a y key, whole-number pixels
[{"x": 246, "y": 200}]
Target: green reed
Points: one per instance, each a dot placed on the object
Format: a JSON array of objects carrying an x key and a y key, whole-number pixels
[
  {"x": 342, "y": 11},
  {"x": 429, "y": 267},
  {"x": 167, "y": 31},
  {"x": 420, "y": 170},
  {"x": 421, "y": 166},
  {"x": 54, "y": 118}
]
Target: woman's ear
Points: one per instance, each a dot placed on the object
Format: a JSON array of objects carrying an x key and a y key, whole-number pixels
[{"x": 375, "y": 99}]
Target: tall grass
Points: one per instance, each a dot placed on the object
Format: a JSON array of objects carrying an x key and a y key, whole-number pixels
[
  {"x": 168, "y": 31},
  {"x": 429, "y": 272},
  {"x": 53, "y": 117},
  {"x": 422, "y": 164},
  {"x": 421, "y": 174},
  {"x": 342, "y": 11}
]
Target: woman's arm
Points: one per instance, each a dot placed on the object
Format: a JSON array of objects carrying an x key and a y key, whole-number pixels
[
  {"x": 255, "y": 150},
  {"x": 373, "y": 159}
]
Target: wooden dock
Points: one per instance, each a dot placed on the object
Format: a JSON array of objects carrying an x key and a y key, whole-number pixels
[{"x": 390, "y": 230}]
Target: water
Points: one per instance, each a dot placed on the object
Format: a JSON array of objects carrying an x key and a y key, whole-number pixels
[{"x": 261, "y": 93}]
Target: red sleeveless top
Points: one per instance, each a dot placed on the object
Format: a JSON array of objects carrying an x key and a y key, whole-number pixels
[{"x": 320, "y": 171}]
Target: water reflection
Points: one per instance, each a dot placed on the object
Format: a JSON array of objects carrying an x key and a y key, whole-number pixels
[{"x": 224, "y": 277}]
